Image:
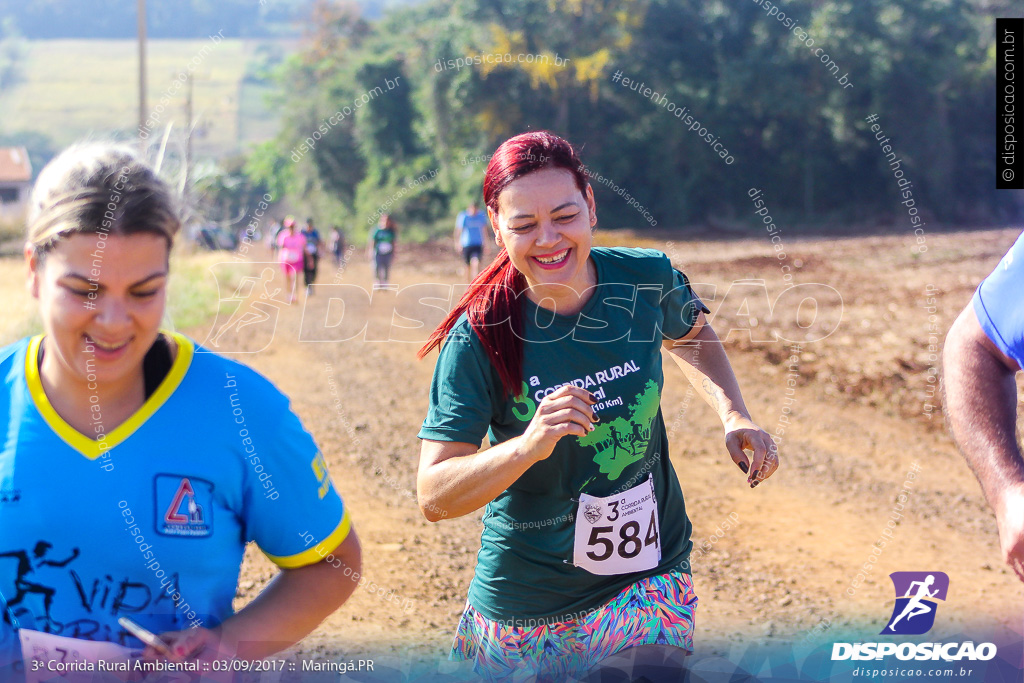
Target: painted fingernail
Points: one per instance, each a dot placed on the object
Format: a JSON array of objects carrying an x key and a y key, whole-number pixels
[
  {"x": 593, "y": 399},
  {"x": 756, "y": 482},
  {"x": 590, "y": 427},
  {"x": 180, "y": 651},
  {"x": 743, "y": 466},
  {"x": 595, "y": 417}
]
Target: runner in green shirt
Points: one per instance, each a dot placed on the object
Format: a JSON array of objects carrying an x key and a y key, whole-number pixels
[
  {"x": 381, "y": 249},
  {"x": 555, "y": 354}
]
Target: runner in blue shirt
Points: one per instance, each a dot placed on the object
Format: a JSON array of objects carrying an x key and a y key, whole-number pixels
[
  {"x": 311, "y": 256},
  {"x": 137, "y": 465},
  {"x": 469, "y": 238},
  {"x": 984, "y": 350}
]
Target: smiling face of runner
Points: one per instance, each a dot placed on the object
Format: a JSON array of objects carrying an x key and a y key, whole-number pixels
[
  {"x": 101, "y": 224},
  {"x": 546, "y": 224},
  {"x": 100, "y": 321}
]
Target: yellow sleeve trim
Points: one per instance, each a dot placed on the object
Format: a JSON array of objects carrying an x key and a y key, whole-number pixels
[{"x": 317, "y": 552}]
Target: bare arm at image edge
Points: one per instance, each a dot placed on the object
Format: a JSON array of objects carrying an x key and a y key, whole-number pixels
[{"x": 980, "y": 399}]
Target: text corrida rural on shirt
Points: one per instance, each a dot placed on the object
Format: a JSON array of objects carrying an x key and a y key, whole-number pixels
[{"x": 599, "y": 378}]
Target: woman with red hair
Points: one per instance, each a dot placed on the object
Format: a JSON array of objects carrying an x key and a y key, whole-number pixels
[{"x": 555, "y": 353}]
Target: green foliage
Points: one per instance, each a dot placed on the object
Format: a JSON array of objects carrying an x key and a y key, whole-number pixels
[
  {"x": 226, "y": 194},
  {"x": 756, "y": 83}
]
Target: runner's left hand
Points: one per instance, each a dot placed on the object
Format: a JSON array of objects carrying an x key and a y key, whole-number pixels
[{"x": 742, "y": 434}]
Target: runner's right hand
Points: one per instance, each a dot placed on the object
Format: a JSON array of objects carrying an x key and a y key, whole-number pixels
[
  {"x": 566, "y": 411},
  {"x": 1010, "y": 517}
]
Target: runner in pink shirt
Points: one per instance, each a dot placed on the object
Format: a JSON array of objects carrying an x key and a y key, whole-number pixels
[{"x": 291, "y": 244}]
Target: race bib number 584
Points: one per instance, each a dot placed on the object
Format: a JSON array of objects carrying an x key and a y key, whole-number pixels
[{"x": 618, "y": 534}]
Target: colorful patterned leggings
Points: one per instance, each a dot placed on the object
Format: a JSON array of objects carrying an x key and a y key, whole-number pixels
[{"x": 658, "y": 610}]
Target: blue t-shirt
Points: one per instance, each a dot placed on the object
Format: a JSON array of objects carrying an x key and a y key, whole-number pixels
[
  {"x": 312, "y": 240},
  {"x": 999, "y": 303},
  {"x": 472, "y": 227},
  {"x": 152, "y": 521}
]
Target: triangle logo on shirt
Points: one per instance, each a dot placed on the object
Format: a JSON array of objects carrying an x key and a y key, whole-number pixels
[{"x": 183, "y": 505}]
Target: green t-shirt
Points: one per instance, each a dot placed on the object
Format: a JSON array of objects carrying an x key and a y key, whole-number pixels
[
  {"x": 613, "y": 349},
  {"x": 384, "y": 241}
]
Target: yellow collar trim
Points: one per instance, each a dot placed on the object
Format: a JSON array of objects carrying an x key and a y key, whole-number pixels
[{"x": 92, "y": 448}]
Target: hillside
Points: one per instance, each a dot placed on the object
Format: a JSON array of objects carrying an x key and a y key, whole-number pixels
[{"x": 70, "y": 89}]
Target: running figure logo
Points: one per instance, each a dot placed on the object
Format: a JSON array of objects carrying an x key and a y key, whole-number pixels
[
  {"x": 253, "y": 303},
  {"x": 41, "y": 557},
  {"x": 916, "y": 595}
]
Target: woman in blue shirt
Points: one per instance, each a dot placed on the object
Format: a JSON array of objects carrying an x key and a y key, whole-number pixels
[{"x": 143, "y": 463}]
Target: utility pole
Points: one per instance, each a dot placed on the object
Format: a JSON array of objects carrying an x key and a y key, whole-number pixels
[
  {"x": 142, "y": 69},
  {"x": 188, "y": 137}
]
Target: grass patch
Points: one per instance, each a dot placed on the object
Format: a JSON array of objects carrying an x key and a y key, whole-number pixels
[
  {"x": 198, "y": 282},
  {"x": 19, "y": 316},
  {"x": 11, "y": 231}
]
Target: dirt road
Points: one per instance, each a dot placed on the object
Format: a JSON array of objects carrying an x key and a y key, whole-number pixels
[{"x": 862, "y": 416}]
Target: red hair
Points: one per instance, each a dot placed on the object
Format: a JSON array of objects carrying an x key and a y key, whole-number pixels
[{"x": 492, "y": 300}]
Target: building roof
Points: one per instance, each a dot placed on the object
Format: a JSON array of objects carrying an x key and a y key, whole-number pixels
[{"x": 14, "y": 165}]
